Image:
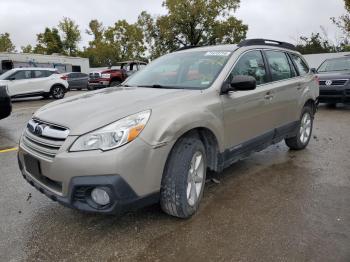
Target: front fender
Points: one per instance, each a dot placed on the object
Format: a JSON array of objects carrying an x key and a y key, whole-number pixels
[{"x": 170, "y": 128}]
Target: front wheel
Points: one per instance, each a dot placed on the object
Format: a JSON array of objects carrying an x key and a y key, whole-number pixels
[
  {"x": 57, "y": 92},
  {"x": 302, "y": 138},
  {"x": 184, "y": 178},
  {"x": 115, "y": 83}
]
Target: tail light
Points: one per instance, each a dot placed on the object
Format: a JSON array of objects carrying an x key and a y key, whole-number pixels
[
  {"x": 65, "y": 77},
  {"x": 317, "y": 79}
]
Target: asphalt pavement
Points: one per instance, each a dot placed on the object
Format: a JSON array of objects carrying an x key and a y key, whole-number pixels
[{"x": 276, "y": 205}]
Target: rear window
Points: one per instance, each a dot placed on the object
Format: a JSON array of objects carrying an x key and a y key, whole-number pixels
[
  {"x": 41, "y": 73},
  {"x": 301, "y": 65},
  {"x": 279, "y": 65}
]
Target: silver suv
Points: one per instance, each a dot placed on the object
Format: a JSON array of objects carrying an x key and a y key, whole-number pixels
[{"x": 153, "y": 138}]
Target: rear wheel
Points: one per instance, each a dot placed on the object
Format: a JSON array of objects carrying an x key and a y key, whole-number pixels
[
  {"x": 90, "y": 87},
  {"x": 184, "y": 178},
  {"x": 57, "y": 92},
  {"x": 302, "y": 138}
]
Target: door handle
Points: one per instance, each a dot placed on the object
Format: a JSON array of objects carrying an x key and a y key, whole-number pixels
[{"x": 299, "y": 87}]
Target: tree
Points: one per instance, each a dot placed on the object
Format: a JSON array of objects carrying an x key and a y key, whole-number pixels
[
  {"x": 192, "y": 23},
  {"x": 127, "y": 39},
  {"x": 27, "y": 49},
  {"x": 49, "y": 42},
  {"x": 6, "y": 44},
  {"x": 71, "y": 36},
  {"x": 96, "y": 30},
  {"x": 315, "y": 44},
  {"x": 343, "y": 22},
  {"x": 122, "y": 41}
]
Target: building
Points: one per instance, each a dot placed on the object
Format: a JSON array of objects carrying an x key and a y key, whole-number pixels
[
  {"x": 61, "y": 62},
  {"x": 315, "y": 60}
]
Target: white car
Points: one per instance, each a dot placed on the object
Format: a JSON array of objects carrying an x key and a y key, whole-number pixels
[{"x": 25, "y": 82}]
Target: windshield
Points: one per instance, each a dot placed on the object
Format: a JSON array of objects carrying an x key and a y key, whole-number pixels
[
  {"x": 187, "y": 70},
  {"x": 6, "y": 74},
  {"x": 341, "y": 64}
]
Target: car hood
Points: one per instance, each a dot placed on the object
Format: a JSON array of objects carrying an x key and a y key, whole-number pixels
[
  {"x": 92, "y": 110},
  {"x": 334, "y": 75}
]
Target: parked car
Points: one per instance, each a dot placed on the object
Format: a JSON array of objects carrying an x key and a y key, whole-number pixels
[
  {"x": 153, "y": 139},
  {"x": 77, "y": 80},
  {"x": 5, "y": 103},
  {"x": 112, "y": 76},
  {"x": 26, "y": 82},
  {"x": 334, "y": 75}
]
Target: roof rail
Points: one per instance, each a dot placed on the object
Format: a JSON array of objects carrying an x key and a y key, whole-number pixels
[
  {"x": 260, "y": 41},
  {"x": 186, "y": 47}
]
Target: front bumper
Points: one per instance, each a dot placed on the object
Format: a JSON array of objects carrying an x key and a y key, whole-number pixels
[
  {"x": 334, "y": 95},
  {"x": 132, "y": 173},
  {"x": 99, "y": 83}
]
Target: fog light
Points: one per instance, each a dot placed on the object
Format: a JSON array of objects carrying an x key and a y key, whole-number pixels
[{"x": 100, "y": 196}]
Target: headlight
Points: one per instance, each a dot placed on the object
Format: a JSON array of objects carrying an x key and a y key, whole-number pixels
[
  {"x": 106, "y": 75},
  {"x": 114, "y": 135}
]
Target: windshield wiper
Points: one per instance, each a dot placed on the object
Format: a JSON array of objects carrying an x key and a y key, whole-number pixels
[{"x": 161, "y": 86}]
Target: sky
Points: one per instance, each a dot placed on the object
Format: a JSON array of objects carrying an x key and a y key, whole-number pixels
[{"x": 283, "y": 20}]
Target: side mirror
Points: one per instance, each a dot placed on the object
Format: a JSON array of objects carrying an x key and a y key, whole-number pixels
[
  {"x": 239, "y": 83},
  {"x": 11, "y": 78},
  {"x": 313, "y": 70}
]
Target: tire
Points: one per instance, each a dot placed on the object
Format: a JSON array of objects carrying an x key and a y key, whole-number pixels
[
  {"x": 90, "y": 87},
  {"x": 115, "y": 83},
  {"x": 302, "y": 139},
  {"x": 182, "y": 185},
  {"x": 57, "y": 92}
]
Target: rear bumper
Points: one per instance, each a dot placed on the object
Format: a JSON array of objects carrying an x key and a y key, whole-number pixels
[{"x": 328, "y": 95}]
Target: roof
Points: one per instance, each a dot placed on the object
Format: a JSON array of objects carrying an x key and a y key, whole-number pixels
[
  {"x": 256, "y": 43},
  {"x": 34, "y": 68}
]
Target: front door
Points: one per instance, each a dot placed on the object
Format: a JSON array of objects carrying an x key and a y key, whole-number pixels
[
  {"x": 247, "y": 114},
  {"x": 19, "y": 83}
]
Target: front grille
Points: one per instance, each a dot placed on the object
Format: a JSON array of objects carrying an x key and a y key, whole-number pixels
[
  {"x": 336, "y": 82},
  {"x": 94, "y": 75},
  {"x": 330, "y": 92},
  {"x": 44, "y": 141}
]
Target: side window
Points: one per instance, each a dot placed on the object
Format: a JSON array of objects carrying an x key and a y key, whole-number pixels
[
  {"x": 39, "y": 74},
  {"x": 49, "y": 73},
  {"x": 294, "y": 71},
  {"x": 251, "y": 64},
  {"x": 279, "y": 65},
  {"x": 20, "y": 75},
  {"x": 301, "y": 65}
]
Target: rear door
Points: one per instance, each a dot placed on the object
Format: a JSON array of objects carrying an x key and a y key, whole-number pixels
[
  {"x": 247, "y": 114},
  {"x": 82, "y": 80},
  {"x": 40, "y": 82},
  {"x": 73, "y": 80},
  {"x": 305, "y": 80},
  {"x": 19, "y": 83},
  {"x": 284, "y": 82}
]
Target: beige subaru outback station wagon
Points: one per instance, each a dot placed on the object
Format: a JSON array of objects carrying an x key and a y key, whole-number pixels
[{"x": 153, "y": 138}]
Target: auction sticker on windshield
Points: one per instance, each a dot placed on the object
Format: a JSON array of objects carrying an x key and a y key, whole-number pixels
[{"x": 217, "y": 53}]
